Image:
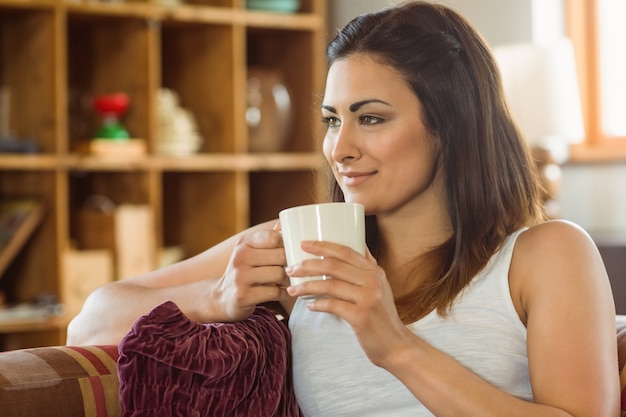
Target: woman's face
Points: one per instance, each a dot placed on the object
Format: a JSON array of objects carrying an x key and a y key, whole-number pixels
[{"x": 376, "y": 144}]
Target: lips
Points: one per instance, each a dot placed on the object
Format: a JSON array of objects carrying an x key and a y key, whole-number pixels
[{"x": 355, "y": 178}]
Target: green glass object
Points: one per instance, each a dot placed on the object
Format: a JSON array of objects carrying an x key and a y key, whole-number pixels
[{"x": 112, "y": 129}]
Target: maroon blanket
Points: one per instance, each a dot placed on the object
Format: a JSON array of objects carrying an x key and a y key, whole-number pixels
[{"x": 172, "y": 366}]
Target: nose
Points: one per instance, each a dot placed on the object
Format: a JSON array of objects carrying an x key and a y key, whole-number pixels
[{"x": 345, "y": 146}]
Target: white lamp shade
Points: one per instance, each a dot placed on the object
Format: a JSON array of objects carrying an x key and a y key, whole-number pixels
[{"x": 541, "y": 89}]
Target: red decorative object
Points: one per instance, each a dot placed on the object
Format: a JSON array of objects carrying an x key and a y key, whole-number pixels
[{"x": 111, "y": 104}]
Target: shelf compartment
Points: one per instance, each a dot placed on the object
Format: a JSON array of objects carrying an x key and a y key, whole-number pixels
[
  {"x": 198, "y": 64},
  {"x": 118, "y": 187},
  {"x": 35, "y": 268},
  {"x": 106, "y": 55},
  {"x": 199, "y": 209},
  {"x": 28, "y": 72},
  {"x": 290, "y": 53},
  {"x": 112, "y": 211},
  {"x": 271, "y": 192}
]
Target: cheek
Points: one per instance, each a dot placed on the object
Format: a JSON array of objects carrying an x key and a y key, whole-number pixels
[{"x": 415, "y": 154}]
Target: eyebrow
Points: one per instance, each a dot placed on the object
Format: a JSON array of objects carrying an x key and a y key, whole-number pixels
[{"x": 356, "y": 106}]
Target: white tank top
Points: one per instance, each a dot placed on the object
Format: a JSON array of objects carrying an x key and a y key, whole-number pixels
[{"x": 333, "y": 377}]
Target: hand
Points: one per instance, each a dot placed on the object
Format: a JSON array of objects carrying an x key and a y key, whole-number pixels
[
  {"x": 358, "y": 292},
  {"x": 255, "y": 274}
]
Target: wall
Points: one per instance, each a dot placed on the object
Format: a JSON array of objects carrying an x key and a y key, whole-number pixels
[
  {"x": 595, "y": 196},
  {"x": 499, "y": 21}
]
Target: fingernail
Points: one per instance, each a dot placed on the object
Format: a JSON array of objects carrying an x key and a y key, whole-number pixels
[
  {"x": 289, "y": 269},
  {"x": 291, "y": 290}
]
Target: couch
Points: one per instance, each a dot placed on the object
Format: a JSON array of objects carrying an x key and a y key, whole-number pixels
[{"x": 73, "y": 381}]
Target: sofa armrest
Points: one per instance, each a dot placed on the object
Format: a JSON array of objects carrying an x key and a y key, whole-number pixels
[{"x": 60, "y": 381}]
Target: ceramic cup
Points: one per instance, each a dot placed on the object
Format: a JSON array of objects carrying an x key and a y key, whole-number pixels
[{"x": 342, "y": 223}]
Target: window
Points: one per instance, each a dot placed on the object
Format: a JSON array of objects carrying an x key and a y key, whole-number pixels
[
  {"x": 611, "y": 36},
  {"x": 598, "y": 31}
]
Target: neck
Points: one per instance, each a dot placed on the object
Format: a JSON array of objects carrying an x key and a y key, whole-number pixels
[{"x": 405, "y": 241}]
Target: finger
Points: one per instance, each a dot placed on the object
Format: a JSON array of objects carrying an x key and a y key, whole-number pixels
[
  {"x": 265, "y": 239},
  {"x": 259, "y": 250},
  {"x": 337, "y": 307},
  {"x": 328, "y": 288},
  {"x": 334, "y": 250},
  {"x": 269, "y": 275},
  {"x": 245, "y": 257},
  {"x": 265, "y": 257},
  {"x": 263, "y": 293},
  {"x": 327, "y": 266}
]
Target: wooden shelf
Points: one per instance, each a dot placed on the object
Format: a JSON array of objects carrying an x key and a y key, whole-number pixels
[
  {"x": 29, "y": 162},
  {"x": 271, "y": 20},
  {"x": 202, "y": 14},
  {"x": 29, "y": 4},
  {"x": 33, "y": 325},
  {"x": 121, "y": 9},
  {"x": 55, "y": 55},
  {"x": 244, "y": 162}
]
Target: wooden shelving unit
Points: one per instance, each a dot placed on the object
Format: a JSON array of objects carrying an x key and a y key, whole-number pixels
[{"x": 55, "y": 53}]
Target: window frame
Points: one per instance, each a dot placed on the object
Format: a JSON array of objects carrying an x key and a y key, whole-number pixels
[{"x": 581, "y": 25}]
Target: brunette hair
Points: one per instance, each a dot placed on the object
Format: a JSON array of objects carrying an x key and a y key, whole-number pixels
[{"x": 492, "y": 188}]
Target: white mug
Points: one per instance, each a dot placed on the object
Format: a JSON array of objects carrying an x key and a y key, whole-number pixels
[{"x": 342, "y": 223}]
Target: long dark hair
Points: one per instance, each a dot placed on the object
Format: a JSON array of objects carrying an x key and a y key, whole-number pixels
[{"x": 492, "y": 188}]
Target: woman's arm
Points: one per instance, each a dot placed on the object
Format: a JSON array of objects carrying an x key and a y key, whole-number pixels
[
  {"x": 224, "y": 283},
  {"x": 560, "y": 287}
]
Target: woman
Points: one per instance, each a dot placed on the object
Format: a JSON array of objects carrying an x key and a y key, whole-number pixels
[{"x": 468, "y": 302}]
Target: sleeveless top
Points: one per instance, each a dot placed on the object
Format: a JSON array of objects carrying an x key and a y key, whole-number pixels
[{"x": 332, "y": 376}]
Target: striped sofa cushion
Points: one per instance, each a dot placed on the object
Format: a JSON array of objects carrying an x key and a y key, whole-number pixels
[{"x": 63, "y": 381}]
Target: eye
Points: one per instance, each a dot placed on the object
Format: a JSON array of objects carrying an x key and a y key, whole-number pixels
[
  {"x": 370, "y": 120},
  {"x": 331, "y": 121}
]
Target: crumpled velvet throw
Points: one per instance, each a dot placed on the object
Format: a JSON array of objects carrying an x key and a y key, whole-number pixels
[{"x": 172, "y": 366}]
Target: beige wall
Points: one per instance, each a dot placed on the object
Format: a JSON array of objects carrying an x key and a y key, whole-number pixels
[{"x": 499, "y": 21}]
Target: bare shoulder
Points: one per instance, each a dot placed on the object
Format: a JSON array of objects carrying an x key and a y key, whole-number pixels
[
  {"x": 554, "y": 244},
  {"x": 555, "y": 257},
  {"x": 555, "y": 241},
  {"x": 560, "y": 232}
]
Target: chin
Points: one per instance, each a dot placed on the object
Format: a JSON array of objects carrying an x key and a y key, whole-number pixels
[{"x": 356, "y": 199}]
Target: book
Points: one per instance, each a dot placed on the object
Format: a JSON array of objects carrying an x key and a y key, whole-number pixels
[{"x": 19, "y": 218}]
